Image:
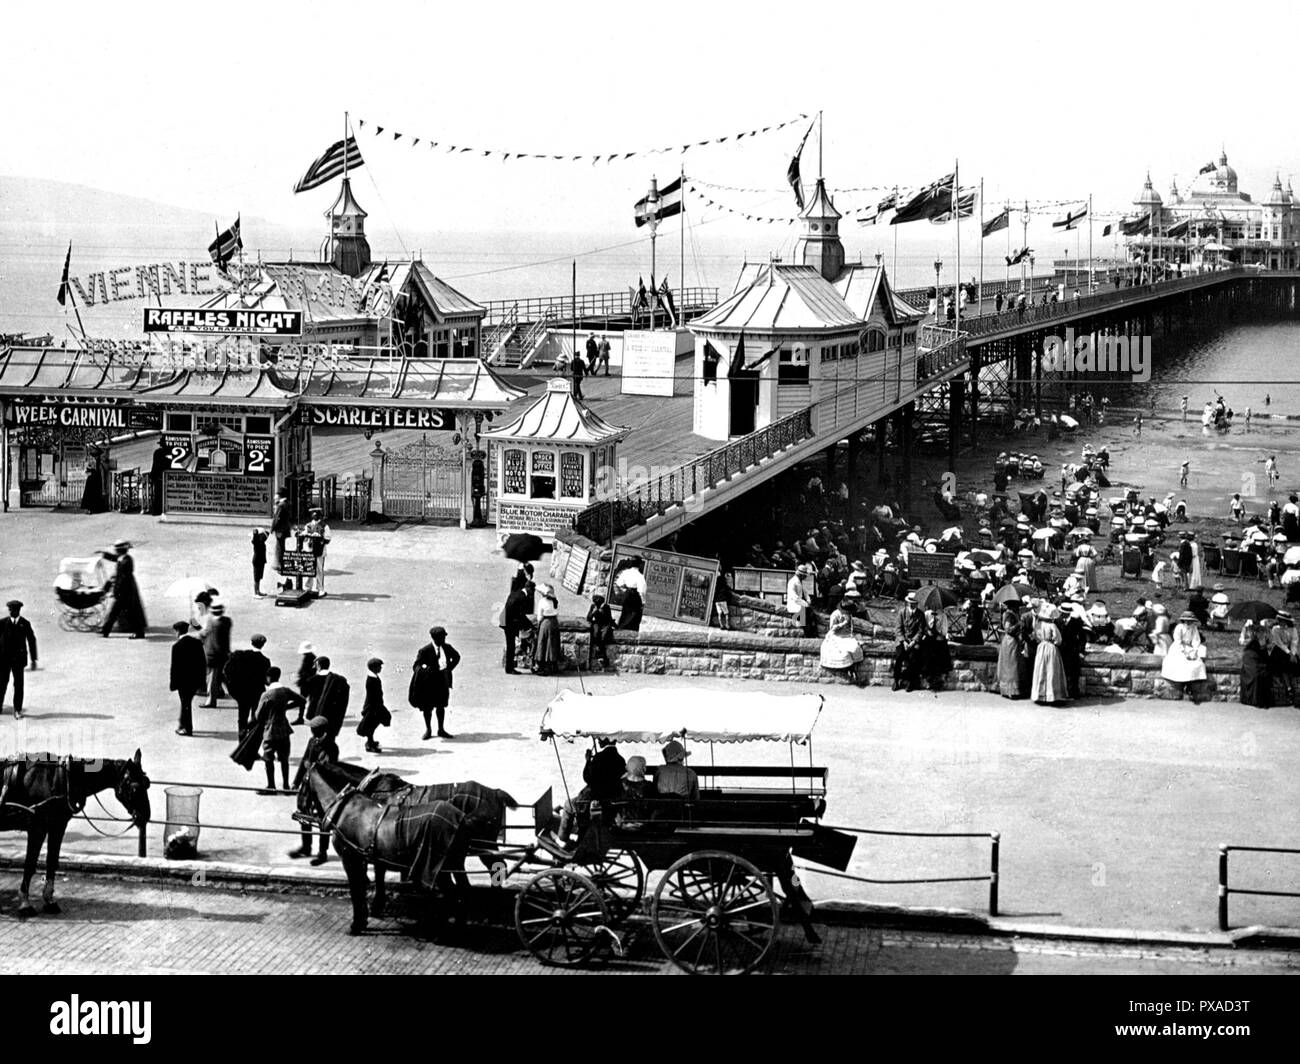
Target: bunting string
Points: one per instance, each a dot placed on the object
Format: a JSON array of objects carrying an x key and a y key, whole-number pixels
[{"x": 608, "y": 157}]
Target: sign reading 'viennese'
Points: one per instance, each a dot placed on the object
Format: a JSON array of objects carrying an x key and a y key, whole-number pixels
[{"x": 241, "y": 322}]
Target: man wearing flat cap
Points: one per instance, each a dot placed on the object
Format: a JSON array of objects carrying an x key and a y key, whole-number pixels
[
  {"x": 17, "y": 645},
  {"x": 216, "y": 648},
  {"x": 245, "y": 675},
  {"x": 188, "y": 673}
]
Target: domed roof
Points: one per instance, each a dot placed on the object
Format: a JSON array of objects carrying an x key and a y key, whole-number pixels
[
  {"x": 1174, "y": 197},
  {"x": 1276, "y": 198},
  {"x": 1148, "y": 197},
  {"x": 1224, "y": 174}
]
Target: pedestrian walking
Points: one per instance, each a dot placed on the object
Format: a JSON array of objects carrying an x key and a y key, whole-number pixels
[
  {"x": 374, "y": 714},
  {"x": 306, "y": 670},
  {"x": 321, "y": 750},
  {"x": 602, "y": 354},
  {"x": 17, "y": 652},
  {"x": 1270, "y": 468},
  {"x": 276, "y": 731},
  {"x": 260, "y": 536},
  {"x": 593, "y": 352},
  {"x": 189, "y": 668},
  {"x": 327, "y": 696},
  {"x": 1183, "y": 406},
  {"x": 431, "y": 681},
  {"x": 158, "y": 465},
  {"x": 579, "y": 371},
  {"x": 600, "y": 629},
  {"x": 245, "y": 675},
  {"x": 281, "y": 526},
  {"x": 127, "y": 609},
  {"x": 514, "y": 620},
  {"x": 997, "y": 303},
  {"x": 1184, "y": 469},
  {"x": 216, "y": 648}
]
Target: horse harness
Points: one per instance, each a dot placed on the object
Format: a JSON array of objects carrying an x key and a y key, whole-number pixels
[
  {"x": 331, "y": 815},
  {"x": 14, "y": 777}
]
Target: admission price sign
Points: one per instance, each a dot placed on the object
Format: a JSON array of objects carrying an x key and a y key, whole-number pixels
[
  {"x": 220, "y": 493},
  {"x": 679, "y": 587}
]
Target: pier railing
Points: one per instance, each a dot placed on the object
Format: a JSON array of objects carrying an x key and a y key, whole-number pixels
[{"x": 588, "y": 305}]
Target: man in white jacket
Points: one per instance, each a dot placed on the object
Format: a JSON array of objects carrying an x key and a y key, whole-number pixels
[{"x": 798, "y": 603}]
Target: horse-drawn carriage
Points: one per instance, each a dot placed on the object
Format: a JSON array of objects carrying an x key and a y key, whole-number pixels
[{"x": 700, "y": 874}]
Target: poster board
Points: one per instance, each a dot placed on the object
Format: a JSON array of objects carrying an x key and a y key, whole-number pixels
[
  {"x": 930, "y": 567},
  {"x": 766, "y": 584},
  {"x": 679, "y": 587},
  {"x": 217, "y": 493},
  {"x": 575, "y": 570},
  {"x": 649, "y": 363},
  {"x": 299, "y": 563},
  {"x": 559, "y": 559}
]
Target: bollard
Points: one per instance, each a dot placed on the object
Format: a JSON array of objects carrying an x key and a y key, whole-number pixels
[
  {"x": 1223, "y": 888},
  {"x": 993, "y": 873}
]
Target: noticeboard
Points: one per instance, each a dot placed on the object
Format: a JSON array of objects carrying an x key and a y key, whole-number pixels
[
  {"x": 679, "y": 587},
  {"x": 929, "y": 567},
  {"x": 766, "y": 584},
  {"x": 299, "y": 563},
  {"x": 649, "y": 363},
  {"x": 217, "y": 493},
  {"x": 575, "y": 570}
]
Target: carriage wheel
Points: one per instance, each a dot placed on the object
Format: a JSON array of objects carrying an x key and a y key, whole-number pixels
[
  {"x": 559, "y": 916},
  {"x": 621, "y": 881},
  {"x": 714, "y": 913},
  {"x": 68, "y": 621}
]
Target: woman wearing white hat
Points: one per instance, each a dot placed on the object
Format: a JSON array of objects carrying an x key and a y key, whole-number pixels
[
  {"x": 798, "y": 603},
  {"x": 840, "y": 651},
  {"x": 1184, "y": 663},
  {"x": 1049, "y": 685}
]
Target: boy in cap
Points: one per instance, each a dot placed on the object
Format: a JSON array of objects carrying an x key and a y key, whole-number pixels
[
  {"x": 188, "y": 673},
  {"x": 17, "y": 643},
  {"x": 600, "y": 629},
  {"x": 273, "y": 720},
  {"x": 374, "y": 714},
  {"x": 321, "y": 749}
]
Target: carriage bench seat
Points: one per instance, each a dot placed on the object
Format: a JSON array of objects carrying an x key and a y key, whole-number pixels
[
  {"x": 815, "y": 775},
  {"x": 764, "y": 832}
]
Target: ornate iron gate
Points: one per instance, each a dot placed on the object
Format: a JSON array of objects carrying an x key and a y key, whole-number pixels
[{"x": 424, "y": 480}]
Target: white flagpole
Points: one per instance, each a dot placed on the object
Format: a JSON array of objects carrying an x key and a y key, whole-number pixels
[{"x": 956, "y": 204}]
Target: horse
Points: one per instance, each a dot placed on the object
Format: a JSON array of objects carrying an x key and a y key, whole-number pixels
[
  {"x": 40, "y": 794},
  {"x": 484, "y": 809},
  {"x": 424, "y": 842}
]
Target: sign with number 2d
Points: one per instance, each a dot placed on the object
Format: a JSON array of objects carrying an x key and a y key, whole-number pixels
[
  {"x": 259, "y": 456},
  {"x": 180, "y": 451}
]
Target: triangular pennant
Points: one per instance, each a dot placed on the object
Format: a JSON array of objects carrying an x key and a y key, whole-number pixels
[
  {"x": 361, "y": 123},
  {"x": 378, "y": 130},
  {"x": 397, "y": 136},
  {"x": 415, "y": 142}
]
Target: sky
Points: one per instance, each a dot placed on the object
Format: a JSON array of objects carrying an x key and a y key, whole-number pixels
[{"x": 222, "y": 109}]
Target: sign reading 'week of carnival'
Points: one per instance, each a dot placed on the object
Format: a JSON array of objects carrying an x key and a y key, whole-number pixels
[
  {"x": 357, "y": 417},
  {"x": 240, "y": 322}
]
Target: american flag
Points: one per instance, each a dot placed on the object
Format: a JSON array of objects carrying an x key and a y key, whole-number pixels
[{"x": 330, "y": 165}]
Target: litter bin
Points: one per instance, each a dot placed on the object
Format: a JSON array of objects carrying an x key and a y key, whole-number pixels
[{"x": 181, "y": 835}]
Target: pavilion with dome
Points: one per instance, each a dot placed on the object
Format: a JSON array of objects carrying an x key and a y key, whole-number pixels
[{"x": 1213, "y": 222}]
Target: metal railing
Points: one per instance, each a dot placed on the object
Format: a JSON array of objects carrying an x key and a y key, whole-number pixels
[
  {"x": 1225, "y": 890},
  {"x": 590, "y": 305},
  {"x": 533, "y": 337},
  {"x": 496, "y": 336},
  {"x": 991, "y": 877},
  {"x": 637, "y": 503},
  {"x": 920, "y": 297},
  {"x": 1011, "y": 320}
]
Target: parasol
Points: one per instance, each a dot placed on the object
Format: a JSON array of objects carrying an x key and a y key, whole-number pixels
[
  {"x": 523, "y": 547},
  {"x": 934, "y": 597},
  {"x": 1007, "y": 595},
  {"x": 1292, "y": 556},
  {"x": 1045, "y": 533},
  {"x": 1254, "y": 610}
]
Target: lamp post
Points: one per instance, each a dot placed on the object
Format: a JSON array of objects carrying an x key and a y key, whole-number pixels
[
  {"x": 938, "y": 265},
  {"x": 652, "y": 220}
]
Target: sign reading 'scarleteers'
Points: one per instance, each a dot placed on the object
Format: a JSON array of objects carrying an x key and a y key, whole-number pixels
[{"x": 238, "y": 322}]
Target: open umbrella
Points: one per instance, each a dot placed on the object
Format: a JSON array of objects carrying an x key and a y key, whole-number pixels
[
  {"x": 984, "y": 557},
  {"x": 934, "y": 597},
  {"x": 1007, "y": 595},
  {"x": 1082, "y": 532},
  {"x": 523, "y": 547},
  {"x": 1045, "y": 533},
  {"x": 1253, "y": 610},
  {"x": 187, "y": 587},
  {"x": 1292, "y": 556}
]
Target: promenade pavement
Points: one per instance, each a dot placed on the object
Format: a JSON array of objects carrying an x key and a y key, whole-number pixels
[
  {"x": 1111, "y": 812},
  {"x": 133, "y": 928}
]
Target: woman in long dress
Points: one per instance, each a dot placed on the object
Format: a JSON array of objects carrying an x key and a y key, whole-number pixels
[
  {"x": 93, "y": 499},
  {"x": 632, "y": 581},
  {"x": 1256, "y": 680},
  {"x": 1086, "y": 566},
  {"x": 1049, "y": 684},
  {"x": 1010, "y": 656},
  {"x": 1195, "y": 577},
  {"x": 1183, "y": 664},
  {"x": 546, "y": 655},
  {"x": 936, "y": 658},
  {"x": 840, "y": 651}
]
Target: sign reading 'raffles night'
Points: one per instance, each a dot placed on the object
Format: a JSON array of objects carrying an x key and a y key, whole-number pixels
[
  {"x": 429, "y": 419},
  {"x": 239, "y": 322}
]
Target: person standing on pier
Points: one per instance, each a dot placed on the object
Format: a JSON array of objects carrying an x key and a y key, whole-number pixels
[
  {"x": 592, "y": 349},
  {"x": 281, "y": 526},
  {"x": 602, "y": 355},
  {"x": 1270, "y": 467},
  {"x": 579, "y": 371},
  {"x": 1183, "y": 406},
  {"x": 997, "y": 304}
]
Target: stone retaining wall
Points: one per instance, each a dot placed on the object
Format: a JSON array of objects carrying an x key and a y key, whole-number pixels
[{"x": 791, "y": 659}]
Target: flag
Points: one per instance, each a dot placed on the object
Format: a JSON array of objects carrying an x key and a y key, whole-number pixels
[
  {"x": 737, "y": 357},
  {"x": 1019, "y": 256},
  {"x": 1136, "y": 225},
  {"x": 1206, "y": 169},
  {"x": 64, "y": 291},
  {"x": 224, "y": 247},
  {"x": 1179, "y": 228},
  {"x": 666, "y": 301},
  {"x": 330, "y": 165},
  {"x": 1071, "y": 219},
  {"x": 1107, "y": 230},
  {"x": 996, "y": 224},
  {"x": 965, "y": 209},
  {"x": 640, "y": 301},
  {"x": 889, "y": 203},
  {"x": 792, "y": 171},
  {"x": 668, "y": 204},
  {"x": 930, "y": 202}
]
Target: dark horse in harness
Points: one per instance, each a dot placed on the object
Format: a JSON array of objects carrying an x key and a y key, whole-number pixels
[
  {"x": 484, "y": 809},
  {"x": 40, "y": 794},
  {"x": 426, "y": 841}
]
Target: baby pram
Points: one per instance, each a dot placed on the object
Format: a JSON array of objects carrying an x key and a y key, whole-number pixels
[{"x": 82, "y": 587}]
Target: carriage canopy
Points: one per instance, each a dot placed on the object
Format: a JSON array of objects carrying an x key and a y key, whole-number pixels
[{"x": 704, "y": 716}]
